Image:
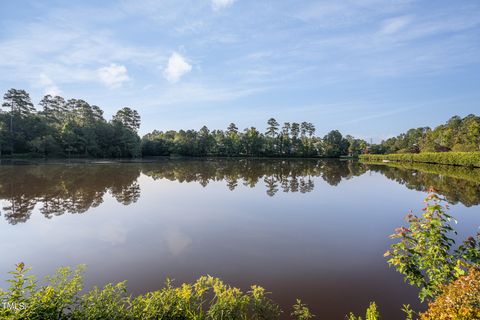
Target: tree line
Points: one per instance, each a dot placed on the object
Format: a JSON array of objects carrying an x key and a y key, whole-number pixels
[
  {"x": 457, "y": 134},
  {"x": 74, "y": 128},
  {"x": 287, "y": 140},
  {"x": 65, "y": 128}
]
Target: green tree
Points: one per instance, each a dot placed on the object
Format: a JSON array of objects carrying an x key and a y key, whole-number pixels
[
  {"x": 271, "y": 136},
  {"x": 232, "y": 141},
  {"x": 252, "y": 142},
  {"x": 272, "y": 129},
  {"x": 54, "y": 108},
  {"x": 355, "y": 146},
  {"x": 334, "y": 144},
  {"x": 285, "y": 144},
  {"x": 232, "y": 129},
  {"x": 128, "y": 117},
  {"x": 70, "y": 128},
  {"x": 295, "y": 130},
  {"x": 205, "y": 141},
  {"x": 20, "y": 105},
  {"x": 19, "y": 102}
]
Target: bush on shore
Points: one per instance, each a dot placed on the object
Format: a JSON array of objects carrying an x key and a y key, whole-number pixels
[
  {"x": 460, "y": 300},
  {"x": 207, "y": 298}
]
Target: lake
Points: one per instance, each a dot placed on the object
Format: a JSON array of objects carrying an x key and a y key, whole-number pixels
[{"x": 309, "y": 229}]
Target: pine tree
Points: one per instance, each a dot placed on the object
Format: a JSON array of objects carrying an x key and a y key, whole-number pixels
[{"x": 128, "y": 117}]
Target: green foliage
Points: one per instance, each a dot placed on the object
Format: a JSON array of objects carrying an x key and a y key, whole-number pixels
[
  {"x": 208, "y": 298},
  {"x": 65, "y": 128},
  {"x": 425, "y": 252},
  {"x": 74, "y": 128},
  {"x": 334, "y": 145},
  {"x": 292, "y": 140},
  {"x": 467, "y": 159},
  {"x": 457, "y": 134},
  {"x": 24, "y": 299},
  {"x": 372, "y": 313},
  {"x": 128, "y": 118},
  {"x": 301, "y": 311},
  {"x": 460, "y": 300},
  {"x": 111, "y": 302},
  {"x": 408, "y": 312}
]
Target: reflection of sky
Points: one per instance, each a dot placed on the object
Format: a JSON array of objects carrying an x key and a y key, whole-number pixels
[{"x": 314, "y": 243}]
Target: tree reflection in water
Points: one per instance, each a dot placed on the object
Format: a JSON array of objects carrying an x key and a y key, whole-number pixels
[
  {"x": 75, "y": 188},
  {"x": 63, "y": 189},
  {"x": 456, "y": 184}
]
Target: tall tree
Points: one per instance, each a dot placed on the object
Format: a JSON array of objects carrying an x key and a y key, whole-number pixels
[
  {"x": 310, "y": 129},
  {"x": 303, "y": 129},
  {"x": 232, "y": 129},
  {"x": 54, "y": 108},
  {"x": 286, "y": 129},
  {"x": 205, "y": 141},
  {"x": 232, "y": 141},
  {"x": 285, "y": 139},
  {"x": 272, "y": 129},
  {"x": 295, "y": 130},
  {"x": 252, "y": 141},
  {"x": 19, "y": 102},
  {"x": 271, "y": 135},
  {"x": 129, "y": 118},
  {"x": 64, "y": 128}
]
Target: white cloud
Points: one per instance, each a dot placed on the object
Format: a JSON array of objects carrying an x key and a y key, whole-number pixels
[
  {"x": 220, "y": 4},
  {"x": 177, "y": 241},
  {"x": 113, "y": 76},
  {"x": 50, "y": 87},
  {"x": 176, "y": 68},
  {"x": 394, "y": 25},
  {"x": 114, "y": 234}
]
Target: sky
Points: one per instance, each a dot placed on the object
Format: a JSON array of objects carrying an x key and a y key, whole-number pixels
[{"x": 370, "y": 68}]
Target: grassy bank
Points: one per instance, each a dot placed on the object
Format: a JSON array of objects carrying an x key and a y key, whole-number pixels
[{"x": 466, "y": 159}]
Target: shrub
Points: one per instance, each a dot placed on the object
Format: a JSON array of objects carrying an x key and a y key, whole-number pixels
[
  {"x": 425, "y": 253},
  {"x": 371, "y": 313},
  {"x": 25, "y": 300},
  {"x": 208, "y": 298},
  {"x": 301, "y": 311},
  {"x": 460, "y": 300},
  {"x": 111, "y": 302}
]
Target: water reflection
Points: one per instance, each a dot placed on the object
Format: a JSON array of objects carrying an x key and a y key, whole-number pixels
[
  {"x": 75, "y": 188},
  {"x": 63, "y": 189},
  {"x": 276, "y": 175},
  {"x": 456, "y": 184}
]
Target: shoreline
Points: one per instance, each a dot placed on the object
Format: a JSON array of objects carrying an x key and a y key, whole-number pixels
[{"x": 460, "y": 159}]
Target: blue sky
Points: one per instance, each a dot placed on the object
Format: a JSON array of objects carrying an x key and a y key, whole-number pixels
[{"x": 371, "y": 68}]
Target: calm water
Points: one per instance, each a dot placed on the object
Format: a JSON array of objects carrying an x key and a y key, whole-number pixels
[{"x": 301, "y": 228}]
